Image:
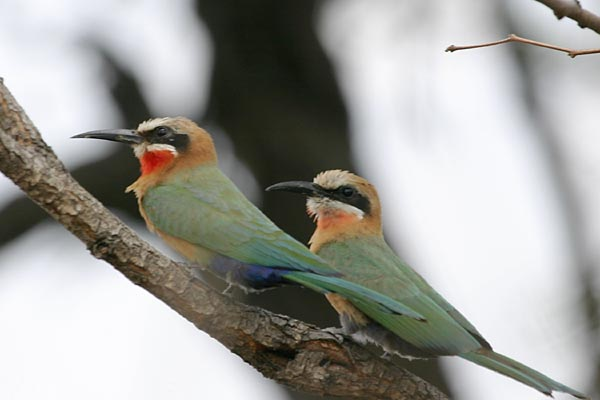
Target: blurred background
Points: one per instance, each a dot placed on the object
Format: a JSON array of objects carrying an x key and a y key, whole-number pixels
[{"x": 487, "y": 162}]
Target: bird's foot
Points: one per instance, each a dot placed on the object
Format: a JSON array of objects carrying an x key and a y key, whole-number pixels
[
  {"x": 387, "y": 356},
  {"x": 192, "y": 266},
  {"x": 228, "y": 290}
]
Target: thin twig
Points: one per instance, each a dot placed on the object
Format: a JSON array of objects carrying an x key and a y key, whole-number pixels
[{"x": 514, "y": 38}]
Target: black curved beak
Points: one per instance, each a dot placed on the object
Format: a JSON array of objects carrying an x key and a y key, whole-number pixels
[
  {"x": 307, "y": 188},
  {"x": 128, "y": 136}
]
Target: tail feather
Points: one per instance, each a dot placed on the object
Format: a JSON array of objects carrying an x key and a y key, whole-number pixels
[
  {"x": 352, "y": 291},
  {"x": 520, "y": 372}
]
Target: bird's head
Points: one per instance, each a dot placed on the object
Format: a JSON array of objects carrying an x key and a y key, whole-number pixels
[
  {"x": 162, "y": 143},
  {"x": 339, "y": 200}
]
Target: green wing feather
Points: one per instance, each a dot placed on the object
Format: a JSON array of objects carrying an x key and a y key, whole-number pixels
[
  {"x": 205, "y": 208},
  {"x": 425, "y": 288},
  {"x": 370, "y": 262}
]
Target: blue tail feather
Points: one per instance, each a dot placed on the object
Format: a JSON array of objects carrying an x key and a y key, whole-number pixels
[{"x": 248, "y": 276}]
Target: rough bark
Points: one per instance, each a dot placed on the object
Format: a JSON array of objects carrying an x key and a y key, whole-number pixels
[{"x": 291, "y": 352}]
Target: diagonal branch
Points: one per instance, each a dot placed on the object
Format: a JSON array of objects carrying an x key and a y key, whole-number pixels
[
  {"x": 514, "y": 38},
  {"x": 291, "y": 352},
  {"x": 572, "y": 9}
]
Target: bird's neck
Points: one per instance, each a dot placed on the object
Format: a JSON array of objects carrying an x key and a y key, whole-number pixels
[
  {"x": 337, "y": 221},
  {"x": 341, "y": 226}
]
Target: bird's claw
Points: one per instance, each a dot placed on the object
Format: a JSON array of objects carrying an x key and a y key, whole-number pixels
[
  {"x": 336, "y": 333},
  {"x": 227, "y": 291}
]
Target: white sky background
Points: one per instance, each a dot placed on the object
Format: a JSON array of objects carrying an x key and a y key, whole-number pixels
[{"x": 464, "y": 188}]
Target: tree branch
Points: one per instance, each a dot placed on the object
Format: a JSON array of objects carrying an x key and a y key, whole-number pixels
[
  {"x": 572, "y": 9},
  {"x": 291, "y": 352},
  {"x": 514, "y": 38}
]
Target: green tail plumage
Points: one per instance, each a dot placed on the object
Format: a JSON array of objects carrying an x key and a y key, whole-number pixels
[
  {"x": 522, "y": 373},
  {"x": 352, "y": 291}
]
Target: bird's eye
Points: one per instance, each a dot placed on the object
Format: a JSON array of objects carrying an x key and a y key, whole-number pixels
[
  {"x": 162, "y": 131},
  {"x": 347, "y": 191}
]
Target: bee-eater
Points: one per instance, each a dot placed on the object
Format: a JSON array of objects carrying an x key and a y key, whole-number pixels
[
  {"x": 199, "y": 212},
  {"x": 349, "y": 237}
]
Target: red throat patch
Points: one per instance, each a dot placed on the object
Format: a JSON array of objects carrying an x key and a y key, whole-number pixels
[{"x": 153, "y": 160}]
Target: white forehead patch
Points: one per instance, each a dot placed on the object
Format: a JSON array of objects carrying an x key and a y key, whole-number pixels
[
  {"x": 153, "y": 123},
  {"x": 333, "y": 179},
  {"x": 318, "y": 206},
  {"x": 140, "y": 149}
]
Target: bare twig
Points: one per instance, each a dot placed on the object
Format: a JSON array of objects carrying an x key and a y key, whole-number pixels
[
  {"x": 514, "y": 38},
  {"x": 572, "y": 9},
  {"x": 289, "y": 351}
]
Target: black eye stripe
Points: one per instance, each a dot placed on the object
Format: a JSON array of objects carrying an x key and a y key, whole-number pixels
[
  {"x": 167, "y": 135},
  {"x": 351, "y": 196}
]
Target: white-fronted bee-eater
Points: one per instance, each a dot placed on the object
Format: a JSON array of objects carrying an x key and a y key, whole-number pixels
[
  {"x": 186, "y": 200},
  {"x": 349, "y": 237}
]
